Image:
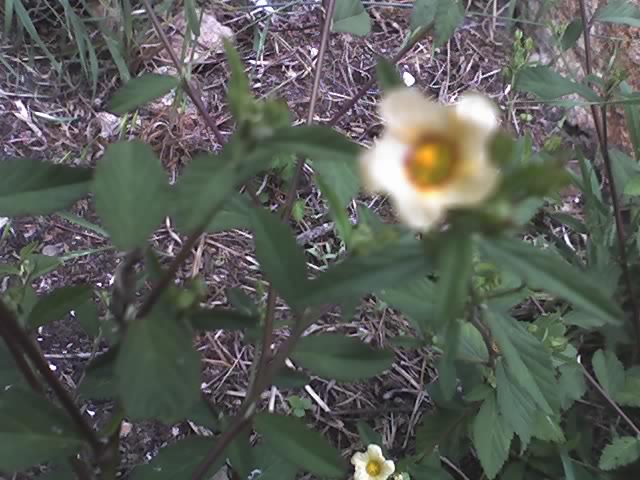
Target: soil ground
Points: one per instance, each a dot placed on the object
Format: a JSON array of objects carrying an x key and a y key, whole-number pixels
[{"x": 55, "y": 117}]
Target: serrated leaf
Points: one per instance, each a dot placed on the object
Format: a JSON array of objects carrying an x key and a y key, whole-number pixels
[
  {"x": 178, "y": 461},
  {"x": 624, "y": 12},
  {"x": 158, "y": 370},
  {"x": 546, "y": 84},
  {"x": 341, "y": 358},
  {"x": 541, "y": 269},
  {"x": 609, "y": 371},
  {"x": 238, "y": 91},
  {"x": 388, "y": 76},
  {"x": 301, "y": 447},
  {"x": 32, "y": 187},
  {"x": 491, "y": 438},
  {"x": 33, "y": 430},
  {"x": 548, "y": 429},
  {"x": 350, "y": 16},
  {"x": 515, "y": 405},
  {"x": 415, "y": 299},
  {"x": 571, "y": 384},
  {"x": 454, "y": 267},
  {"x": 361, "y": 274},
  {"x": 629, "y": 394},
  {"x": 221, "y": 319},
  {"x": 281, "y": 258},
  {"x": 139, "y": 91},
  {"x": 58, "y": 303},
  {"x": 620, "y": 452},
  {"x": 571, "y": 34},
  {"x": 526, "y": 359},
  {"x": 131, "y": 193},
  {"x": 437, "y": 427}
]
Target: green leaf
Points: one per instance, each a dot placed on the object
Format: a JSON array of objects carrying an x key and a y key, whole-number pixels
[
  {"x": 178, "y": 461},
  {"x": 632, "y": 187},
  {"x": 620, "y": 452},
  {"x": 271, "y": 465},
  {"x": 448, "y": 17},
  {"x": 238, "y": 91},
  {"x": 624, "y": 12},
  {"x": 99, "y": 382},
  {"x": 336, "y": 209},
  {"x": 341, "y": 358},
  {"x": 361, "y": 274},
  {"x": 544, "y": 270},
  {"x": 193, "y": 19},
  {"x": 32, "y": 187},
  {"x": 59, "y": 472},
  {"x": 454, "y": 267},
  {"x": 571, "y": 384},
  {"x": 437, "y": 427},
  {"x": 343, "y": 178},
  {"x": 368, "y": 435},
  {"x": 546, "y": 84},
  {"x": 139, "y": 91},
  {"x": 571, "y": 34},
  {"x": 609, "y": 371},
  {"x": 221, "y": 319},
  {"x": 472, "y": 347},
  {"x": 280, "y": 257},
  {"x": 302, "y": 447},
  {"x": 515, "y": 405},
  {"x": 131, "y": 193},
  {"x": 632, "y": 116},
  {"x": 288, "y": 378},
  {"x": 58, "y": 303},
  {"x": 388, "y": 76},
  {"x": 87, "y": 317},
  {"x": 351, "y": 17},
  {"x": 33, "y": 430},
  {"x": 629, "y": 394},
  {"x": 9, "y": 373},
  {"x": 415, "y": 298},
  {"x": 158, "y": 370},
  {"x": 234, "y": 214},
  {"x": 491, "y": 437},
  {"x": 320, "y": 143},
  {"x": 526, "y": 359},
  {"x": 423, "y": 13}
]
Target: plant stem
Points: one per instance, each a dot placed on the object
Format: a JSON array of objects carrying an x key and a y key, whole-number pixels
[
  {"x": 186, "y": 84},
  {"x": 600, "y": 122},
  {"x": 611, "y": 402},
  {"x": 13, "y": 332}
]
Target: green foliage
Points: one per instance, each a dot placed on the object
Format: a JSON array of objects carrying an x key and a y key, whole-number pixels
[
  {"x": 272, "y": 465},
  {"x": 31, "y": 187},
  {"x": 439, "y": 427},
  {"x": 33, "y": 430},
  {"x": 444, "y": 16},
  {"x": 350, "y": 16},
  {"x": 302, "y": 447},
  {"x": 388, "y": 76},
  {"x": 221, "y": 319},
  {"x": 571, "y": 34},
  {"x": 58, "y": 303},
  {"x": 140, "y": 91},
  {"x": 546, "y": 84},
  {"x": 609, "y": 371},
  {"x": 623, "y": 12},
  {"x": 178, "y": 460},
  {"x": 341, "y": 358},
  {"x": 620, "y": 452},
  {"x": 281, "y": 259},
  {"x": 299, "y": 405},
  {"x": 491, "y": 437},
  {"x": 9, "y": 373},
  {"x": 158, "y": 370},
  {"x": 131, "y": 193},
  {"x": 515, "y": 404}
]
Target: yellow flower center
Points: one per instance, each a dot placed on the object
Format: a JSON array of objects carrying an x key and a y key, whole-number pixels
[
  {"x": 374, "y": 468},
  {"x": 431, "y": 163}
]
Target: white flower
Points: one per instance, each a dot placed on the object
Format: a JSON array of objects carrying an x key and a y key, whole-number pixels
[
  {"x": 432, "y": 158},
  {"x": 372, "y": 465}
]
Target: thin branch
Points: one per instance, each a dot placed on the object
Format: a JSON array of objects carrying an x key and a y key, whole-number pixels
[
  {"x": 610, "y": 400},
  {"x": 188, "y": 86},
  {"x": 600, "y": 121},
  {"x": 13, "y": 332}
]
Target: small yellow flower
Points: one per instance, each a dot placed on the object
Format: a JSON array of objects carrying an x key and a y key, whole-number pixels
[
  {"x": 431, "y": 157},
  {"x": 372, "y": 465}
]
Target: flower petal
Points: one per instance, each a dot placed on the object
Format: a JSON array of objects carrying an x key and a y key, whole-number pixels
[
  {"x": 388, "y": 467},
  {"x": 474, "y": 185},
  {"x": 382, "y": 166},
  {"x": 359, "y": 459},
  {"x": 417, "y": 213},
  {"x": 410, "y": 115},
  {"x": 478, "y": 114},
  {"x": 374, "y": 452}
]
